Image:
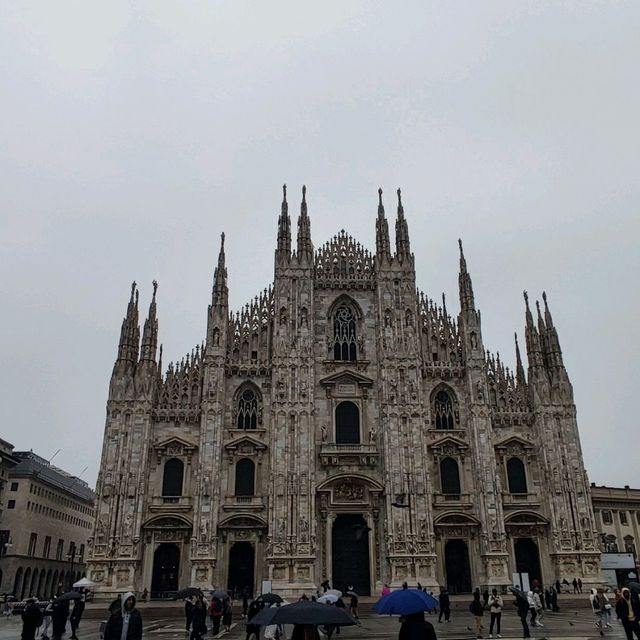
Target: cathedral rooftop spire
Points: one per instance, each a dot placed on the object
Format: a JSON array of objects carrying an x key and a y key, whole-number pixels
[
  {"x": 403, "y": 247},
  {"x": 284, "y": 228},
  {"x": 150, "y": 333},
  {"x": 129, "y": 343},
  {"x": 520, "y": 377},
  {"x": 220, "y": 292},
  {"x": 533, "y": 339},
  {"x": 465, "y": 285},
  {"x": 383, "y": 245},
  {"x": 305, "y": 247}
]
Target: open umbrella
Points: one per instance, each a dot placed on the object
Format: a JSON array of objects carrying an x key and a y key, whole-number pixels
[
  {"x": 328, "y": 598},
  {"x": 189, "y": 592},
  {"x": 405, "y": 601},
  {"x": 634, "y": 586},
  {"x": 334, "y": 592},
  {"x": 304, "y": 612},
  {"x": 71, "y": 595},
  {"x": 84, "y": 583},
  {"x": 220, "y": 595},
  {"x": 270, "y": 598}
]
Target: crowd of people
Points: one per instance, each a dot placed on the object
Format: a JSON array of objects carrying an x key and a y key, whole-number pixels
[{"x": 53, "y": 619}]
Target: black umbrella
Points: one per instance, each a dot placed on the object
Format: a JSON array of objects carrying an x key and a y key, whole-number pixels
[
  {"x": 189, "y": 592},
  {"x": 270, "y": 598},
  {"x": 303, "y": 612},
  {"x": 71, "y": 595}
]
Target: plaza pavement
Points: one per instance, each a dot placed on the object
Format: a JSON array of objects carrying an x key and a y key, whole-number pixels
[{"x": 572, "y": 622}]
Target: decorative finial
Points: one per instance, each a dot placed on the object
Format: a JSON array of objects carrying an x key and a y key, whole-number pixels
[
  {"x": 304, "y": 193},
  {"x": 380, "y": 196},
  {"x": 284, "y": 192},
  {"x": 526, "y": 297},
  {"x": 133, "y": 289},
  {"x": 399, "y": 197},
  {"x": 222, "y": 240},
  {"x": 544, "y": 297},
  {"x": 460, "y": 246},
  {"x": 155, "y": 288}
]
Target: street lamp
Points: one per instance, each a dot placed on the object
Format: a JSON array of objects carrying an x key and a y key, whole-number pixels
[{"x": 71, "y": 556}]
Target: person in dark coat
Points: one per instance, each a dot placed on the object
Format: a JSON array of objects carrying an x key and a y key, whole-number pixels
[
  {"x": 227, "y": 614},
  {"x": 116, "y": 605},
  {"x": 477, "y": 611},
  {"x": 445, "y": 606},
  {"x": 215, "y": 612},
  {"x": 522, "y": 604},
  {"x": 31, "y": 620},
  {"x": 628, "y": 611},
  {"x": 188, "y": 613},
  {"x": 252, "y": 629},
  {"x": 415, "y": 627},
  {"x": 75, "y": 617},
  {"x": 558, "y": 587},
  {"x": 59, "y": 615},
  {"x": 125, "y": 623},
  {"x": 198, "y": 618}
]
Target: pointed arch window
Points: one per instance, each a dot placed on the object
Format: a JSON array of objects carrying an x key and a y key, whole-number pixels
[
  {"x": 449, "y": 476},
  {"x": 245, "y": 477},
  {"x": 248, "y": 410},
  {"x": 172, "y": 477},
  {"x": 347, "y": 423},
  {"x": 344, "y": 334},
  {"x": 516, "y": 476},
  {"x": 443, "y": 411}
]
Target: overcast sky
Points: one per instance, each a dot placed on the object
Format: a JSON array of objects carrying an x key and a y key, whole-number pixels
[{"x": 132, "y": 134}]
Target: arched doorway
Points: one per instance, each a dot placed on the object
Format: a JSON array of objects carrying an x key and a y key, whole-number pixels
[
  {"x": 241, "y": 567},
  {"x": 528, "y": 558},
  {"x": 350, "y": 550},
  {"x": 166, "y": 567},
  {"x": 457, "y": 567},
  {"x": 17, "y": 583}
]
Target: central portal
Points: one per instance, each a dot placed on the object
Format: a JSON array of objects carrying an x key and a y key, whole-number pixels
[
  {"x": 241, "y": 567},
  {"x": 350, "y": 545},
  {"x": 166, "y": 564}
]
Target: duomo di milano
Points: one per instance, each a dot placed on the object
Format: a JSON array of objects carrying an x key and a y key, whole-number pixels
[{"x": 341, "y": 426}]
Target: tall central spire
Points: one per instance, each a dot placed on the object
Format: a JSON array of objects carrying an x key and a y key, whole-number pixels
[
  {"x": 465, "y": 286},
  {"x": 130, "y": 332},
  {"x": 150, "y": 333},
  {"x": 220, "y": 293}
]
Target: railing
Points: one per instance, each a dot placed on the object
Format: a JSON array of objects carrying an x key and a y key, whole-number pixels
[
  {"x": 180, "y": 502},
  {"x": 440, "y": 499},
  {"x": 520, "y": 498},
  {"x": 333, "y": 448},
  {"x": 251, "y": 501}
]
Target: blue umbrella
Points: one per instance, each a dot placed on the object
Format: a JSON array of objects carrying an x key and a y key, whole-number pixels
[{"x": 405, "y": 601}]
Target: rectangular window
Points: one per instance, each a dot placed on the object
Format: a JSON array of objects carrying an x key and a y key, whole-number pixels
[
  {"x": 60, "y": 549},
  {"x": 46, "y": 550},
  {"x": 623, "y": 517},
  {"x": 606, "y": 517},
  {"x": 33, "y": 540},
  {"x": 5, "y": 536},
  {"x": 14, "y": 486},
  {"x": 11, "y": 504}
]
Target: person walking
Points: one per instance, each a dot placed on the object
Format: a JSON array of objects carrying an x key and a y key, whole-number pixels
[
  {"x": 126, "y": 622},
  {"x": 605, "y": 605},
  {"x": 188, "y": 613},
  {"x": 227, "y": 615},
  {"x": 245, "y": 601},
  {"x": 253, "y": 630},
  {"x": 477, "y": 611},
  {"x": 353, "y": 604},
  {"x": 216, "y": 610},
  {"x": 580, "y": 585},
  {"x": 31, "y": 620},
  {"x": 595, "y": 607},
  {"x": 558, "y": 590},
  {"x": 59, "y": 615},
  {"x": 575, "y": 585},
  {"x": 485, "y": 599},
  {"x": 445, "y": 606},
  {"x": 75, "y": 617},
  {"x": 554, "y": 601},
  {"x": 198, "y": 618},
  {"x": 628, "y": 610},
  {"x": 522, "y": 605},
  {"x": 495, "y": 610},
  {"x": 415, "y": 627}
]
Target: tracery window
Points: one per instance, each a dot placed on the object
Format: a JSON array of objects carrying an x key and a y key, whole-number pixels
[
  {"x": 172, "y": 477},
  {"x": 516, "y": 476},
  {"x": 449, "y": 476},
  {"x": 248, "y": 410},
  {"x": 443, "y": 411},
  {"x": 344, "y": 334},
  {"x": 245, "y": 477},
  {"x": 347, "y": 423}
]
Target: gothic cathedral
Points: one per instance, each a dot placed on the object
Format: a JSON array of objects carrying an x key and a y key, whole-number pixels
[{"x": 341, "y": 426}]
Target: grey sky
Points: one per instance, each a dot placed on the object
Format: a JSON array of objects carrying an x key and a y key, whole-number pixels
[{"x": 132, "y": 134}]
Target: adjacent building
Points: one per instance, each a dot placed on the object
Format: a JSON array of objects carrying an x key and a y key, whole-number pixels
[
  {"x": 617, "y": 513},
  {"x": 47, "y": 521},
  {"x": 342, "y": 425},
  {"x": 7, "y": 462}
]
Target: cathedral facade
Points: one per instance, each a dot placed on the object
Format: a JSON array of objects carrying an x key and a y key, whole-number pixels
[{"x": 341, "y": 426}]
